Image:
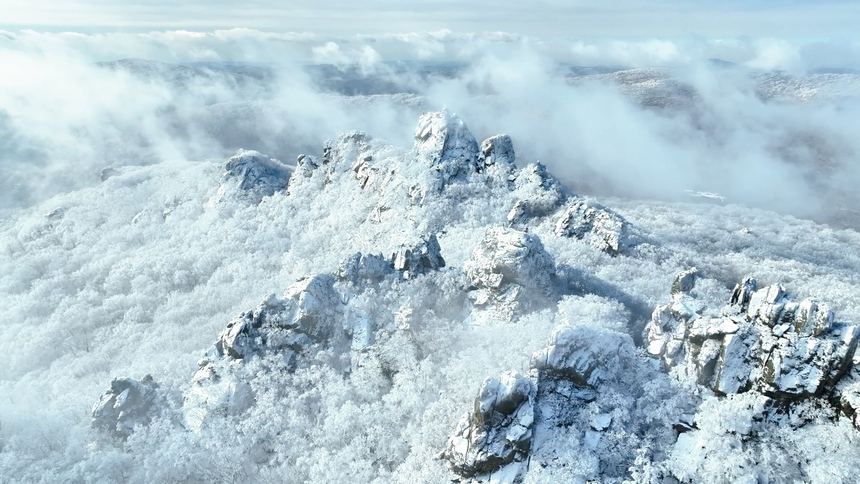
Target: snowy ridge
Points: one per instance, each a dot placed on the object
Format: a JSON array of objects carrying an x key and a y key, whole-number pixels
[{"x": 661, "y": 88}]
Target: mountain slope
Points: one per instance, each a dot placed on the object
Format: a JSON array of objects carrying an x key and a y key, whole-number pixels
[{"x": 358, "y": 366}]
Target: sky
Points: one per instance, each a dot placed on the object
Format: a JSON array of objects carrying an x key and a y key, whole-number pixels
[{"x": 792, "y": 18}]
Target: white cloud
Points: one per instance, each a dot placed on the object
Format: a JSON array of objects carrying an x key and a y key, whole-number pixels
[
  {"x": 771, "y": 54},
  {"x": 543, "y": 18}
]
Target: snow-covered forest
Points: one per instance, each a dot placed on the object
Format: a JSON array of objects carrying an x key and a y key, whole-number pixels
[{"x": 487, "y": 265}]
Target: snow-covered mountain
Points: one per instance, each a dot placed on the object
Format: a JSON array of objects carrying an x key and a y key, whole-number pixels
[{"x": 427, "y": 313}]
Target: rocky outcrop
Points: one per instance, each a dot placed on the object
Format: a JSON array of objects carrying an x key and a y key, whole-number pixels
[
  {"x": 847, "y": 394},
  {"x": 306, "y": 164},
  {"x": 128, "y": 404},
  {"x": 594, "y": 224},
  {"x": 539, "y": 194},
  {"x": 419, "y": 259},
  {"x": 762, "y": 341},
  {"x": 511, "y": 271},
  {"x": 444, "y": 143},
  {"x": 497, "y": 150},
  {"x": 359, "y": 268},
  {"x": 252, "y": 175},
  {"x": 498, "y": 429},
  {"x": 310, "y": 316},
  {"x": 666, "y": 334},
  {"x": 306, "y": 313},
  {"x": 306, "y": 317},
  {"x": 407, "y": 262},
  {"x": 585, "y": 356},
  {"x": 498, "y": 432}
]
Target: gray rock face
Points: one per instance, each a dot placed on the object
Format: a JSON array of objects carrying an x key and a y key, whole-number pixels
[
  {"x": 443, "y": 142},
  {"x": 407, "y": 262},
  {"x": 364, "y": 267},
  {"x": 685, "y": 281},
  {"x": 306, "y": 313},
  {"x": 423, "y": 257},
  {"x": 253, "y": 175},
  {"x": 306, "y": 175},
  {"x": 126, "y": 405},
  {"x": 584, "y": 355},
  {"x": 498, "y": 430},
  {"x": 306, "y": 164},
  {"x": 497, "y": 150},
  {"x": 540, "y": 194},
  {"x": 595, "y": 224},
  {"x": 847, "y": 392},
  {"x": 666, "y": 333},
  {"x": 307, "y": 316},
  {"x": 512, "y": 270},
  {"x": 763, "y": 341}
]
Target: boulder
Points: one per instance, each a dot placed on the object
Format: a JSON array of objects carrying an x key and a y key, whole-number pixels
[
  {"x": 419, "y": 259},
  {"x": 497, "y": 150},
  {"x": 497, "y": 430},
  {"x": 307, "y": 313},
  {"x": 539, "y": 194},
  {"x": 128, "y": 404},
  {"x": 512, "y": 270},
  {"x": 584, "y": 355},
  {"x": 444, "y": 143},
  {"x": 252, "y": 175},
  {"x": 594, "y": 224}
]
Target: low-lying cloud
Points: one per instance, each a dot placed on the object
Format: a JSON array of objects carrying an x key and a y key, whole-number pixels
[{"x": 752, "y": 125}]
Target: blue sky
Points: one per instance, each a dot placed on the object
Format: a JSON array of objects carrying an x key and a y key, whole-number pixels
[{"x": 793, "y": 18}]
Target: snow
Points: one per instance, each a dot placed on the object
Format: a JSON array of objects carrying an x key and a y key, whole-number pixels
[{"x": 357, "y": 310}]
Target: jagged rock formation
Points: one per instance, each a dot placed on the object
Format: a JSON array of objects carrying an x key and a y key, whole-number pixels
[
  {"x": 311, "y": 315},
  {"x": 306, "y": 312},
  {"x": 305, "y": 164},
  {"x": 538, "y": 193},
  {"x": 497, "y": 150},
  {"x": 444, "y": 143},
  {"x": 126, "y": 405},
  {"x": 446, "y": 157},
  {"x": 763, "y": 341},
  {"x": 359, "y": 267},
  {"x": 498, "y": 430},
  {"x": 511, "y": 270},
  {"x": 342, "y": 321},
  {"x": 307, "y": 316},
  {"x": 408, "y": 261},
  {"x": 252, "y": 175},
  {"x": 666, "y": 333},
  {"x": 595, "y": 224},
  {"x": 497, "y": 435},
  {"x": 424, "y": 257}
]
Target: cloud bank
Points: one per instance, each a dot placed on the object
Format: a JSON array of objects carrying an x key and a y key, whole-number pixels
[{"x": 762, "y": 132}]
